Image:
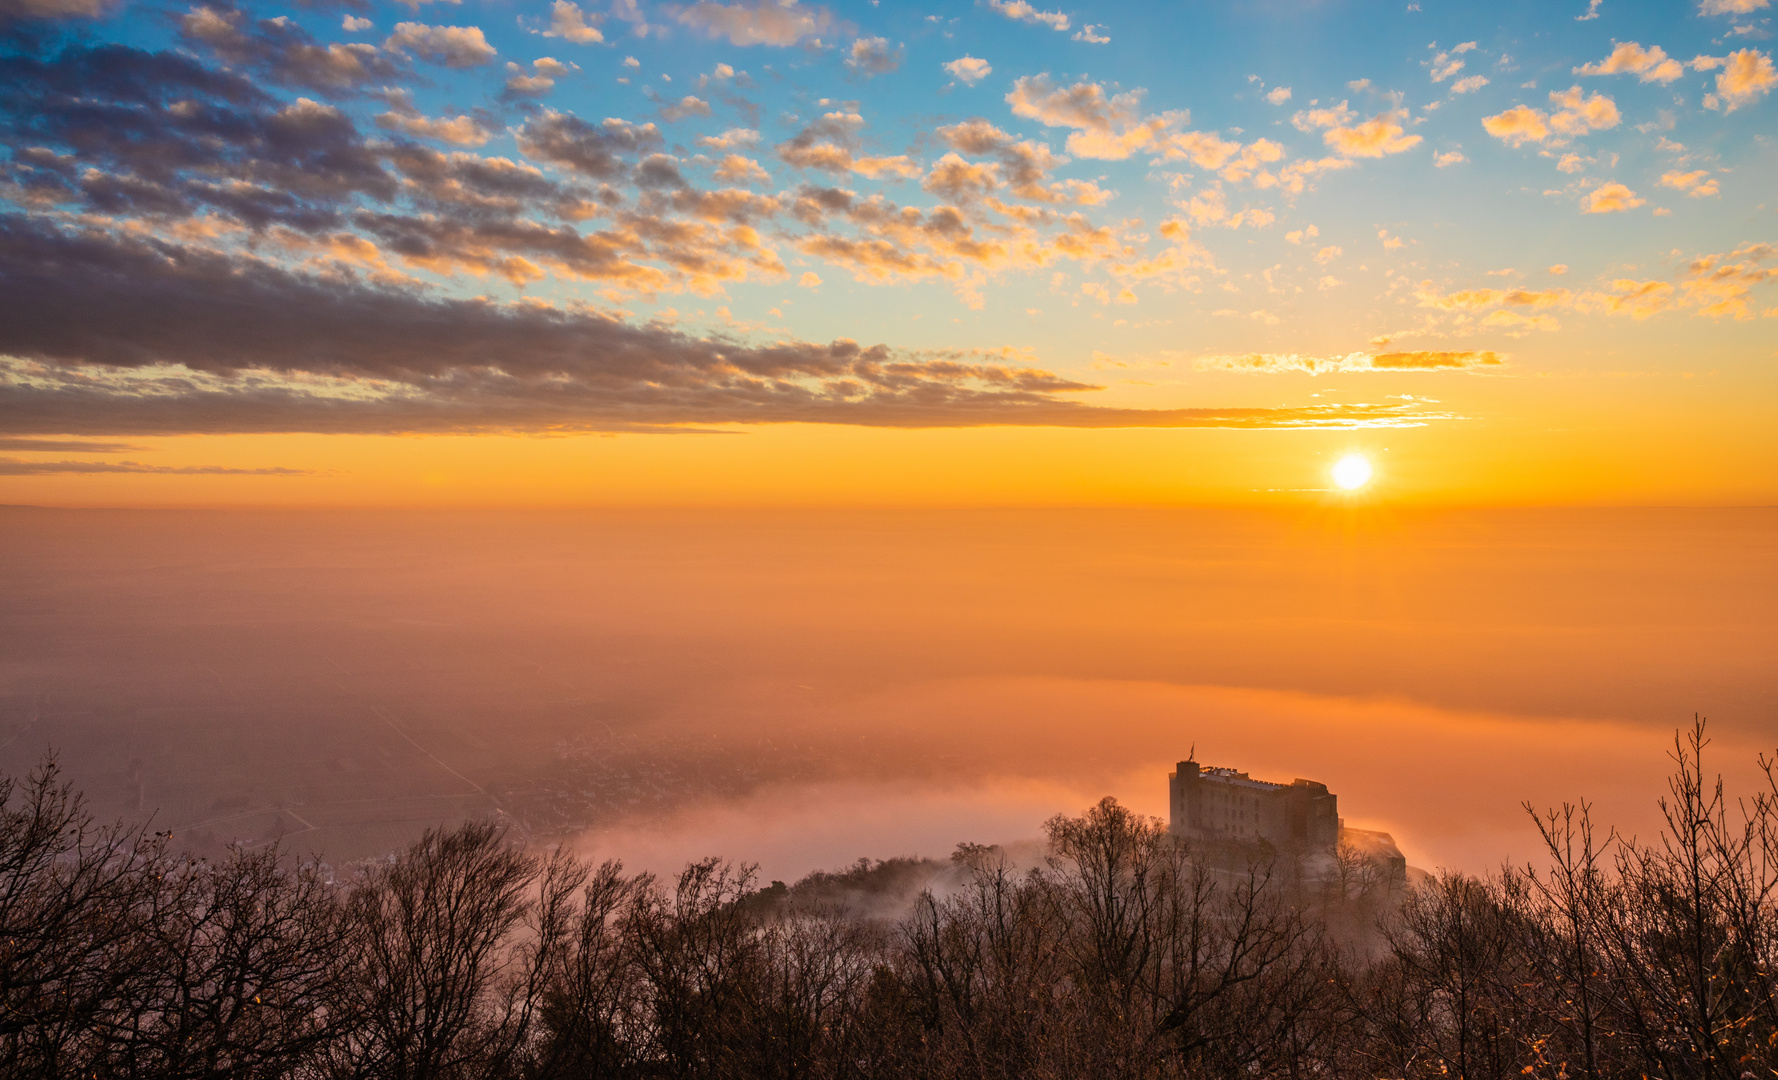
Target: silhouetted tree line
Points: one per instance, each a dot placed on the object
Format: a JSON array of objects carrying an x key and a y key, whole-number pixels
[{"x": 1126, "y": 955}]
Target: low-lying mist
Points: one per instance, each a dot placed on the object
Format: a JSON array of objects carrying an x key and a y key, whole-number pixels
[{"x": 804, "y": 688}]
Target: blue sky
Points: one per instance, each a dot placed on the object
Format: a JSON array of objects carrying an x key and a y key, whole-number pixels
[{"x": 1162, "y": 202}]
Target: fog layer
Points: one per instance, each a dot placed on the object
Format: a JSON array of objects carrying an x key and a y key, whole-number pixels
[{"x": 806, "y": 688}]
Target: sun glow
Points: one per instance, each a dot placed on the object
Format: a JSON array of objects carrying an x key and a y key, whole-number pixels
[{"x": 1352, "y": 472}]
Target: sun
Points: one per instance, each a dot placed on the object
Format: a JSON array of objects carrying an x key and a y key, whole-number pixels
[{"x": 1352, "y": 472}]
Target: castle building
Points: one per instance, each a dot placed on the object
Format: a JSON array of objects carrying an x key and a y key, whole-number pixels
[{"x": 1298, "y": 818}]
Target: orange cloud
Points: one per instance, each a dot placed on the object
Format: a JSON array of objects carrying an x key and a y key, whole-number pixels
[
  {"x": 1693, "y": 184},
  {"x": 1379, "y": 136},
  {"x": 1747, "y": 76},
  {"x": 1611, "y": 198},
  {"x": 737, "y": 169},
  {"x": 1650, "y": 65},
  {"x": 1573, "y": 114},
  {"x": 969, "y": 69},
  {"x": 1578, "y": 115},
  {"x": 1518, "y": 125},
  {"x": 1021, "y": 11},
  {"x": 1275, "y": 363}
]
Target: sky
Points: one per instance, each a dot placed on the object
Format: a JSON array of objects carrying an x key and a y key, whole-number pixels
[{"x": 768, "y": 252}]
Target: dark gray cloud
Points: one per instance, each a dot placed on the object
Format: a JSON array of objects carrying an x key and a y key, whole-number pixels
[
  {"x": 127, "y": 132},
  {"x": 22, "y": 467},
  {"x": 47, "y": 10},
  {"x": 597, "y": 151},
  {"x": 872, "y": 56},
  {"x": 66, "y": 446},
  {"x": 284, "y": 52},
  {"x": 122, "y": 335}
]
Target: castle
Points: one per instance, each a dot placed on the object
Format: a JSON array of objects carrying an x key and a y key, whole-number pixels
[{"x": 1299, "y": 819}]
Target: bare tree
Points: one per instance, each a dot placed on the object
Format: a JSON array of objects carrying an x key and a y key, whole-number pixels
[
  {"x": 71, "y": 899},
  {"x": 435, "y": 955},
  {"x": 244, "y": 979}
]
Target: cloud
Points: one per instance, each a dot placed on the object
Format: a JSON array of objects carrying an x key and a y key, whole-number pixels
[
  {"x": 402, "y": 116},
  {"x": 1469, "y": 84},
  {"x": 736, "y": 169},
  {"x": 872, "y": 56},
  {"x": 164, "y": 135},
  {"x": 1379, "y": 136},
  {"x": 1693, "y": 184},
  {"x": 969, "y": 69},
  {"x": 282, "y": 51},
  {"x": 1445, "y": 158},
  {"x": 764, "y": 22},
  {"x": 731, "y": 139},
  {"x": 569, "y": 23},
  {"x": 1328, "y": 254},
  {"x": 1747, "y": 76},
  {"x": 1278, "y": 95},
  {"x": 1444, "y": 65},
  {"x": 1730, "y": 7},
  {"x": 1112, "y": 127},
  {"x": 1021, "y": 11},
  {"x": 1610, "y": 198},
  {"x": 1573, "y": 115},
  {"x": 54, "y": 9},
  {"x": 825, "y": 143},
  {"x": 594, "y": 151},
  {"x": 114, "y": 334},
  {"x": 1577, "y": 115},
  {"x": 689, "y": 105},
  {"x": 65, "y": 446},
  {"x": 1483, "y": 299},
  {"x": 1092, "y": 34},
  {"x": 1650, "y": 65},
  {"x": 1326, "y": 117},
  {"x": 24, "y": 467},
  {"x": 876, "y": 167},
  {"x": 1721, "y": 284},
  {"x": 1109, "y": 127},
  {"x": 545, "y": 70},
  {"x": 1023, "y": 165},
  {"x": 1279, "y": 363},
  {"x": 1518, "y": 125},
  {"x": 1714, "y": 285},
  {"x": 1434, "y": 361},
  {"x": 1106, "y": 125},
  {"x": 451, "y": 46},
  {"x": 1210, "y": 207}
]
